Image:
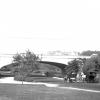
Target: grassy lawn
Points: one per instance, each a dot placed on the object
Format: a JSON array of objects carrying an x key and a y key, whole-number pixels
[
  {"x": 93, "y": 86},
  {"x": 40, "y": 92}
]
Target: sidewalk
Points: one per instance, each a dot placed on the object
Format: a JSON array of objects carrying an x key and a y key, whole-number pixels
[{"x": 12, "y": 81}]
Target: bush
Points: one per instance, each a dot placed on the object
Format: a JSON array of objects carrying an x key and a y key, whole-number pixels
[{"x": 19, "y": 77}]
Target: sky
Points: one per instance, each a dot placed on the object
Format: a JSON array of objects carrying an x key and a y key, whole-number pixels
[{"x": 49, "y": 25}]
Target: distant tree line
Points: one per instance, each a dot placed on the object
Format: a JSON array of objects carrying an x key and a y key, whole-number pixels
[{"x": 89, "y": 53}]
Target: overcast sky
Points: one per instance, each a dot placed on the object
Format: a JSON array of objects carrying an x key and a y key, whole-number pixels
[{"x": 45, "y": 25}]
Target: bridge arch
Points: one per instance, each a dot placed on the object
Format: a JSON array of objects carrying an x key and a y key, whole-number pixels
[{"x": 59, "y": 65}]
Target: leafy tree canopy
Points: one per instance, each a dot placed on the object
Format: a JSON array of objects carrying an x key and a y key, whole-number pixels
[
  {"x": 27, "y": 62},
  {"x": 92, "y": 64},
  {"x": 74, "y": 66}
]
